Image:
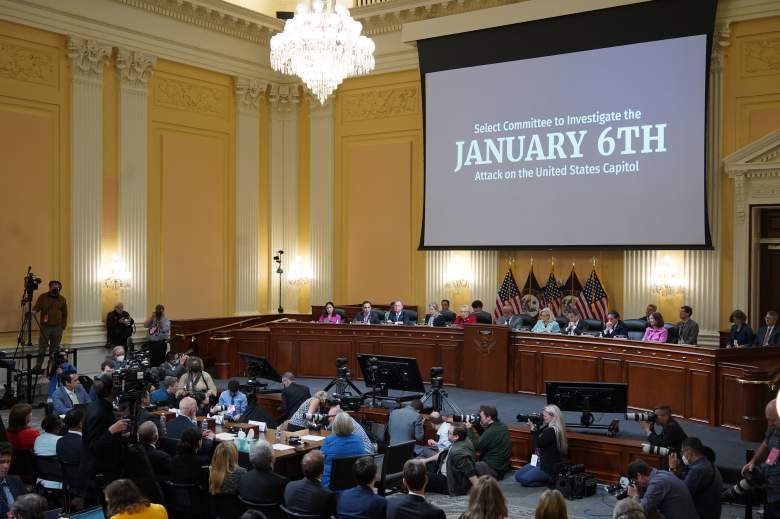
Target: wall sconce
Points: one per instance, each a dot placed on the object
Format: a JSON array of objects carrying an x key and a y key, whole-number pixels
[
  {"x": 115, "y": 275},
  {"x": 458, "y": 275},
  {"x": 667, "y": 281},
  {"x": 299, "y": 273}
]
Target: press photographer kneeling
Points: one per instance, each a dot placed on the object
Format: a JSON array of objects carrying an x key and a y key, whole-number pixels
[
  {"x": 671, "y": 435},
  {"x": 700, "y": 475},
  {"x": 549, "y": 438}
]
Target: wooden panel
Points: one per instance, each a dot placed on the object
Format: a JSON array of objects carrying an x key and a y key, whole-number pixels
[
  {"x": 700, "y": 394},
  {"x": 425, "y": 354},
  {"x": 450, "y": 361},
  {"x": 485, "y": 352},
  {"x": 730, "y": 396},
  {"x": 650, "y": 385},
  {"x": 311, "y": 355},
  {"x": 284, "y": 356},
  {"x": 569, "y": 367},
  {"x": 612, "y": 370},
  {"x": 525, "y": 372}
]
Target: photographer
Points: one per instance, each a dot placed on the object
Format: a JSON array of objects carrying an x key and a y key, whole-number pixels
[
  {"x": 196, "y": 380},
  {"x": 312, "y": 405},
  {"x": 494, "y": 445},
  {"x": 119, "y": 326},
  {"x": 52, "y": 311},
  {"x": 159, "y": 328},
  {"x": 765, "y": 460},
  {"x": 700, "y": 476},
  {"x": 453, "y": 471},
  {"x": 173, "y": 367},
  {"x": 549, "y": 442},
  {"x": 661, "y": 492},
  {"x": 672, "y": 434}
]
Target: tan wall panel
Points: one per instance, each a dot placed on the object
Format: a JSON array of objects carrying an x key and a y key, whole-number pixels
[
  {"x": 377, "y": 180},
  {"x": 193, "y": 230}
]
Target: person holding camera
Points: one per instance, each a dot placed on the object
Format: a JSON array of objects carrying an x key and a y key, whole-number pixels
[
  {"x": 52, "y": 311},
  {"x": 233, "y": 401},
  {"x": 119, "y": 326},
  {"x": 549, "y": 443},
  {"x": 196, "y": 380},
  {"x": 494, "y": 445},
  {"x": 312, "y": 405},
  {"x": 700, "y": 475},
  {"x": 671, "y": 435},
  {"x": 766, "y": 460},
  {"x": 173, "y": 366},
  {"x": 159, "y": 329},
  {"x": 661, "y": 492}
]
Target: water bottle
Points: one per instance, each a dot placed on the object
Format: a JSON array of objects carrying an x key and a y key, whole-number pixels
[
  {"x": 163, "y": 427},
  {"x": 203, "y": 424},
  {"x": 278, "y": 436}
]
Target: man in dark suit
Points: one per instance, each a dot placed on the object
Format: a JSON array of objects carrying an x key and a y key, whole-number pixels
[
  {"x": 405, "y": 424},
  {"x": 482, "y": 316},
  {"x": 615, "y": 327},
  {"x": 413, "y": 505},
  {"x": 11, "y": 487},
  {"x": 651, "y": 309},
  {"x": 398, "y": 315},
  {"x": 576, "y": 325},
  {"x": 174, "y": 429},
  {"x": 671, "y": 435},
  {"x": 307, "y": 495},
  {"x": 509, "y": 318},
  {"x": 449, "y": 315},
  {"x": 360, "y": 502},
  {"x": 367, "y": 315},
  {"x": 262, "y": 484},
  {"x": 768, "y": 335},
  {"x": 293, "y": 396},
  {"x": 160, "y": 460},
  {"x": 69, "y": 446}
]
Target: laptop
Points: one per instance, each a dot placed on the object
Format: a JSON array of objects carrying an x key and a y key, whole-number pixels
[
  {"x": 52, "y": 514},
  {"x": 91, "y": 513}
]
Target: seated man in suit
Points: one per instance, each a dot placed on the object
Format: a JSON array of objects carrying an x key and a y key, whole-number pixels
[
  {"x": 448, "y": 314},
  {"x": 106, "y": 368},
  {"x": 615, "y": 327},
  {"x": 482, "y": 316},
  {"x": 509, "y": 318},
  {"x": 293, "y": 395},
  {"x": 650, "y": 310},
  {"x": 687, "y": 328},
  {"x": 69, "y": 394},
  {"x": 367, "y": 315},
  {"x": 307, "y": 495},
  {"x": 262, "y": 484},
  {"x": 160, "y": 460},
  {"x": 576, "y": 325},
  {"x": 434, "y": 317},
  {"x": 69, "y": 446},
  {"x": 13, "y": 484},
  {"x": 768, "y": 335},
  {"x": 188, "y": 409},
  {"x": 165, "y": 394},
  {"x": 118, "y": 357},
  {"x": 398, "y": 315},
  {"x": 405, "y": 424},
  {"x": 413, "y": 505},
  {"x": 360, "y": 502}
]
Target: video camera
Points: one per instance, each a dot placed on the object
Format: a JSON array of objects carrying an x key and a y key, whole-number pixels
[
  {"x": 534, "y": 418},
  {"x": 462, "y": 418},
  {"x": 131, "y": 381},
  {"x": 655, "y": 449},
  {"x": 346, "y": 401},
  {"x": 620, "y": 490},
  {"x": 437, "y": 378},
  {"x": 642, "y": 417}
]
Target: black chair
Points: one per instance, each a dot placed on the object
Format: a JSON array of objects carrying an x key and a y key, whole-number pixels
[
  {"x": 49, "y": 468},
  {"x": 48, "y": 409},
  {"x": 71, "y": 483},
  {"x": 636, "y": 328},
  {"x": 3, "y": 437},
  {"x": 595, "y": 326},
  {"x": 391, "y": 479},
  {"x": 673, "y": 333},
  {"x": 341, "y": 312},
  {"x": 342, "y": 473},
  {"x": 168, "y": 445},
  {"x": 185, "y": 500},
  {"x": 297, "y": 515},
  {"x": 563, "y": 322},
  {"x": 270, "y": 510},
  {"x": 23, "y": 465},
  {"x": 226, "y": 506},
  {"x": 412, "y": 315}
]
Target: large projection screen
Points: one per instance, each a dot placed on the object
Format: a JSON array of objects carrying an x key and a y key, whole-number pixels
[{"x": 596, "y": 148}]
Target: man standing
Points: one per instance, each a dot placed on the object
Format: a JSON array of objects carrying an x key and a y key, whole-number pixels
[
  {"x": 765, "y": 460},
  {"x": 293, "y": 395},
  {"x": 69, "y": 394},
  {"x": 662, "y": 492},
  {"x": 119, "y": 326},
  {"x": 687, "y": 328},
  {"x": 52, "y": 311},
  {"x": 509, "y": 318},
  {"x": 405, "y": 424},
  {"x": 159, "y": 328},
  {"x": 494, "y": 445},
  {"x": 398, "y": 315},
  {"x": 768, "y": 335},
  {"x": 413, "y": 505}
]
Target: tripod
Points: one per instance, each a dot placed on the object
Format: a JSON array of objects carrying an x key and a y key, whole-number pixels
[
  {"x": 342, "y": 382},
  {"x": 439, "y": 398}
]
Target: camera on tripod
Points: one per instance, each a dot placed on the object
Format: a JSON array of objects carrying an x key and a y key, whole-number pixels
[
  {"x": 346, "y": 401},
  {"x": 342, "y": 370},
  {"x": 655, "y": 449},
  {"x": 31, "y": 283},
  {"x": 131, "y": 381},
  {"x": 471, "y": 418},
  {"x": 534, "y": 418},
  {"x": 641, "y": 417},
  {"x": 437, "y": 378}
]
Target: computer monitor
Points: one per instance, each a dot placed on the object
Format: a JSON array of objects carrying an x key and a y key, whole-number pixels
[
  {"x": 397, "y": 373},
  {"x": 259, "y": 367},
  {"x": 597, "y": 397},
  {"x": 91, "y": 513}
]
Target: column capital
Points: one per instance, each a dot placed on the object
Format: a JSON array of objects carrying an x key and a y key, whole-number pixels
[
  {"x": 284, "y": 98},
  {"x": 721, "y": 41},
  {"x": 87, "y": 58},
  {"x": 135, "y": 68},
  {"x": 249, "y": 92}
]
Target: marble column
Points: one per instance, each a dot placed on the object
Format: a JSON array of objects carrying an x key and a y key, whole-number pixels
[
  {"x": 283, "y": 190},
  {"x": 87, "y": 59},
  {"x": 321, "y": 199},
  {"x": 249, "y": 92},
  {"x": 135, "y": 69}
]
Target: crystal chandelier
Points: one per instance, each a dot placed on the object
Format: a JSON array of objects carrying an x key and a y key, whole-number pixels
[{"x": 322, "y": 45}]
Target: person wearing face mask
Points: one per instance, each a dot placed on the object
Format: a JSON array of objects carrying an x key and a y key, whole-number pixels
[
  {"x": 51, "y": 309},
  {"x": 700, "y": 475},
  {"x": 118, "y": 358},
  {"x": 196, "y": 380},
  {"x": 158, "y": 328}
]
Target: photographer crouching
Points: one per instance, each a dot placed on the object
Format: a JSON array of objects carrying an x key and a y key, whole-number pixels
[
  {"x": 549, "y": 436},
  {"x": 700, "y": 475},
  {"x": 660, "y": 492},
  {"x": 671, "y": 435},
  {"x": 765, "y": 462}
]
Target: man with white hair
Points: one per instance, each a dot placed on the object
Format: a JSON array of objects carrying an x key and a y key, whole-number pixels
[
  {"x": 628, "y": 509},
  {"x": 368, "y": 446},
  {"x": 118, "y": 357},
  {"x": 262, "y": 484},
  {"x": 188, "y": 408},
  {"x": 160, "y": 460}
]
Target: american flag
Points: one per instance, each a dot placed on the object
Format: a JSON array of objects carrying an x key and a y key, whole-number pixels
[
  {"x": 509, "y": 294},
  {"x": 593, "y": 302},
  {"x": 552, "y": 296}
]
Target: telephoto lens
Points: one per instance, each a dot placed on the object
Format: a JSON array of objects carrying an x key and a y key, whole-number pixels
[
  {"x": 315, "y": 417},
  {"x": 655, "y": 449},
  {"x": 472, "y": 418},
  {"x": 641, "y": 417}
]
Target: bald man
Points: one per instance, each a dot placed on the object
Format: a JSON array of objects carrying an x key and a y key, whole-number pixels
[
  {"x": 767, "y": 459},
  {"x": 188, "y": 408},
  {"x": 160, "y": 460}
]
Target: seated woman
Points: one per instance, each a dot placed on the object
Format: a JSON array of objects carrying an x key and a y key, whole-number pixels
[
  {"x": 655, "y": 331},
  {"x": 434, "y": 317},
  {"x": 186, "y": 465},
  {"x": 225, "y": 472},
  {"x": 546, "y": 322},
  {"x": 195, "y": 380},
  {"x": 46, "y": 444},
  {"x": 551, "y": 505},
  {"x": 741, "y": 333},
  {"x": 550, "y": 443},
  {"x": 315, "y": 404},
  {"x": 342, "y": 443},
  {"x": 464, "y": 317},
  {"x": 486, "y": 501},
  {"x": 19, "y": 433},
  {"x": 329, "y": 314},
  {"x": 124, "y": 501}
]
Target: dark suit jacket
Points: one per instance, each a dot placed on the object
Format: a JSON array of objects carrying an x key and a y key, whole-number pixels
[
  {"x": 160, "y": 461},
  {"x": 292, "y": 397},
  {"x": 308, "y": 496},
  {"x": 581, "y": 327},
  {"x": 774, "y": 338},
  {"x": 449, "y": 315},
  {"x": 16, "y": 486},
  {"x": 176, "y": 427},
  {"x": 186, "y": 468},
  {"x": 403, "y": 318},
  {"x": 262, "y": 486},
  {"x": 439, "y": 320},
  {"x": 413, "y": 507},
  {"x": 69, "y": 449},
  {"x": 101, "y": 451},
  {"x": 361, "y": 502},
  {"x": 373, "y": 318},
  {"x": 619, "y": 329},
  {"x": 671, "y": 436},
  {"x": 484, "y": 317}
]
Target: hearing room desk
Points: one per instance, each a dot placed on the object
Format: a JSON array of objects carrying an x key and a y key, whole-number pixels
[{"x": 714, "y": 386}]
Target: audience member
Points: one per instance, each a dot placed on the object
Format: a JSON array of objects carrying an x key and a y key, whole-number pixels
[
  {"x": 225, "y": 472},
  {"x": 405, "y": 424},
  {"x": 159, "y": 459},
  {"x": 118, "y": 360},
  {"x": 551, "y": 505},
  {"x": 46, "y": 444},
  {"x": 477, "y": 309},
  {"x": 195, "y": 380},
  {"x": 293, "y": 395},
  {"x": 398, "y": 315},
  {"x": 19, "y": 433},
  {"x": 12, "y": 486},
  {"x": 262, "y": 484},
  {"x": 661, "y": 492},
  {"x": 165, "y": 394},
  {"x": 614, "y": 327},
  {"x": 158, "y": 328},
  {"x": 307, "y": 495},
  {"x": 343, "y": 442},
  {"x": 51, "y": 311},
  {"x": 367, "y": 315},
  {"x": 62, "y": 367},
  {"x": 550, "y": 443},
  {"x": 655, "y": 331},
  {"x": 186, "y": 420},
  {"x": 741, "y": 334},
  {"x": 69, "y": 394},
  {"x": 368, "y": 446},
  {"x": 672, "y": 434},
  {"x": 761, "y": 461},
  {"x": 509, "y": 318},
  {"x": 106, "y": 369},
  {"x": 486, "y": 501},
  {"x": 628, "y": 509},
  {"x": 442, "y": 440},
  {"x": 119, "y": 326},
  {"x": 413, "y": 505},
  {"x": 448, "y": 314},
  {"x": 494, "y": 445},
  {"x": 124, "y": 501},
  {"x": 69, "y": 446},
  {"x": 329, "y": 314},
  {"x": 768, "y": 335},
  {"x": 173, "y": 367},
  {"x": 233, "y": 401},
  {"x": 546, "y": 322},
  {"x": 360, "y": 502},
  {"x": 456, "y": 467},
  {"x": 186, "y": 464},
  {"x": 576, "y": 325},
  {"x": 687, "y": 328},
  {"x": 649, "y": 310},
  {"x": 29, "y": 506},
  {"x": 253, "y": 514},
  {"x": 464, "y": 317},
  {"x": 434, "y": 317},
  {"x": 312, "y": 405},
  {"x": 700, "y": 475}
]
